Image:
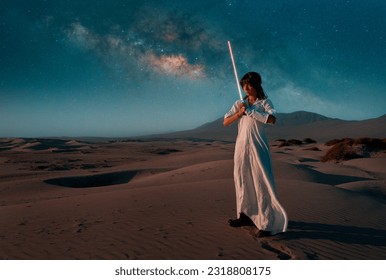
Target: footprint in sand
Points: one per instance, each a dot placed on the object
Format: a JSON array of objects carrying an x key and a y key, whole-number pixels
[
  {"x": 281, "y": 254},
  {"x": 81, "y": 227},
  {"x": 221, "y": 252}
]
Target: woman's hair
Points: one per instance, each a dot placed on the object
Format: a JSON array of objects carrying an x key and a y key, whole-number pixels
[{"x": 254, "y": 79}]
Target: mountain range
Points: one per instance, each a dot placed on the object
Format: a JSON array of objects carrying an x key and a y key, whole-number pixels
[{"x": 296, "y": 125}]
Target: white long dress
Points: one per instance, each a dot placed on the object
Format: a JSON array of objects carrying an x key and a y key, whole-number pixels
[{"x": 254, "y": 181}]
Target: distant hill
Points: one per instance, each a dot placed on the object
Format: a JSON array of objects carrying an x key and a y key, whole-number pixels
[
  {"x": 283, "y": 119},
  {"x": 296, "y": 125},
  {"x": 299, "y": 118}
]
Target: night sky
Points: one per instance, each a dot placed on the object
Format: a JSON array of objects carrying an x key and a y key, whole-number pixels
[{"x": 127, "y": 68}]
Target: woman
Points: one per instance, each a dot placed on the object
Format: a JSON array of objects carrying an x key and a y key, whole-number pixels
[{"x": 256, "y": 199}]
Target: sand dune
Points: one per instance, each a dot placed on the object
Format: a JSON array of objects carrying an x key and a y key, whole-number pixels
[{"x": 171, "y": 199}]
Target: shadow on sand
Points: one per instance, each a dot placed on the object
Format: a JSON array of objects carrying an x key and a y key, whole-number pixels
[
  {"x": 91, "y": 181},
  {"x": 338, "y": 233}
]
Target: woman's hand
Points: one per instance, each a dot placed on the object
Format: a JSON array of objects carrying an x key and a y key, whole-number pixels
[
  {"x": 242, "y": 109},
  {"x": 231, "y": 119}
]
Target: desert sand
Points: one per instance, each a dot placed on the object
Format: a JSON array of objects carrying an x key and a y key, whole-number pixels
[{"x": 172, "y": 198}]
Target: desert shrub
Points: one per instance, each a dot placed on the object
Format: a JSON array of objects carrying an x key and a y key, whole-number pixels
[
  {"x": 347, "y": 148},
  {"x": 336, "y": 141},
  {"x": 339, "y": 152},
  {"x": 291, "y": 142},
  {"x": 316, "y": 149},
  {"x": 309, "y": 141},
  {"x": 373, "y": 144},
  {"x": 332, "y": 142},
  {"x": 294, "y": 142}
]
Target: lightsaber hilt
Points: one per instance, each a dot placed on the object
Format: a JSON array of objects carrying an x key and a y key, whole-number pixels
[{"x": 235, "y": 70}]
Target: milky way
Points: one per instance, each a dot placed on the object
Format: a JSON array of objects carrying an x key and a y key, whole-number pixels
[{"x": 124, "y": 68}]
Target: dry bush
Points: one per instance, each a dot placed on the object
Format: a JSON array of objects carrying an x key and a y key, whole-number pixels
[
  {"x": 336, "y": 141},
  {"x": 309, "y": 141},
  {"x": 294, "y": 142},
  {"x": 291, "y": 142},
  {"x": 316, "y": 149},
  {"x": 347, "y": 148}
]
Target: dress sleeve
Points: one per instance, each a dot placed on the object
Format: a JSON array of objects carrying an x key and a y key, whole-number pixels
[
  {"x": 262, "y": 116},
  {"x": 268, "y": 106},
  {"x": 233, "y": 110}
]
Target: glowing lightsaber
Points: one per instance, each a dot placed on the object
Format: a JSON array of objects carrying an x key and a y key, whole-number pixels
[{"x": 235, "y": 70}]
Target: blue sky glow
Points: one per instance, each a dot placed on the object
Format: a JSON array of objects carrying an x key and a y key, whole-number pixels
[{"x": 125, "y": 68}]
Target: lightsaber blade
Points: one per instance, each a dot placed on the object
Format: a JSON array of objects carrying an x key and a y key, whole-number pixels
[{"x": 235, "y": 70}]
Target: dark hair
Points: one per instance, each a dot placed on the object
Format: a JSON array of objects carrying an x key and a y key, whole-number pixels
[{"x": 254, "y": 79}]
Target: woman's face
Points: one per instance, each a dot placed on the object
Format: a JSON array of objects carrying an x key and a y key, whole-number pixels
[{"x": 249, "y": 90}]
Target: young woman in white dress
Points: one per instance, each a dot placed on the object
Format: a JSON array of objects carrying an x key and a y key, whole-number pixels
[{"x": 256, "y": 198}]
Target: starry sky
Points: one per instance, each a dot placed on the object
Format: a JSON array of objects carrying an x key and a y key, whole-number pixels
[{"x": 120, "y": 68}]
